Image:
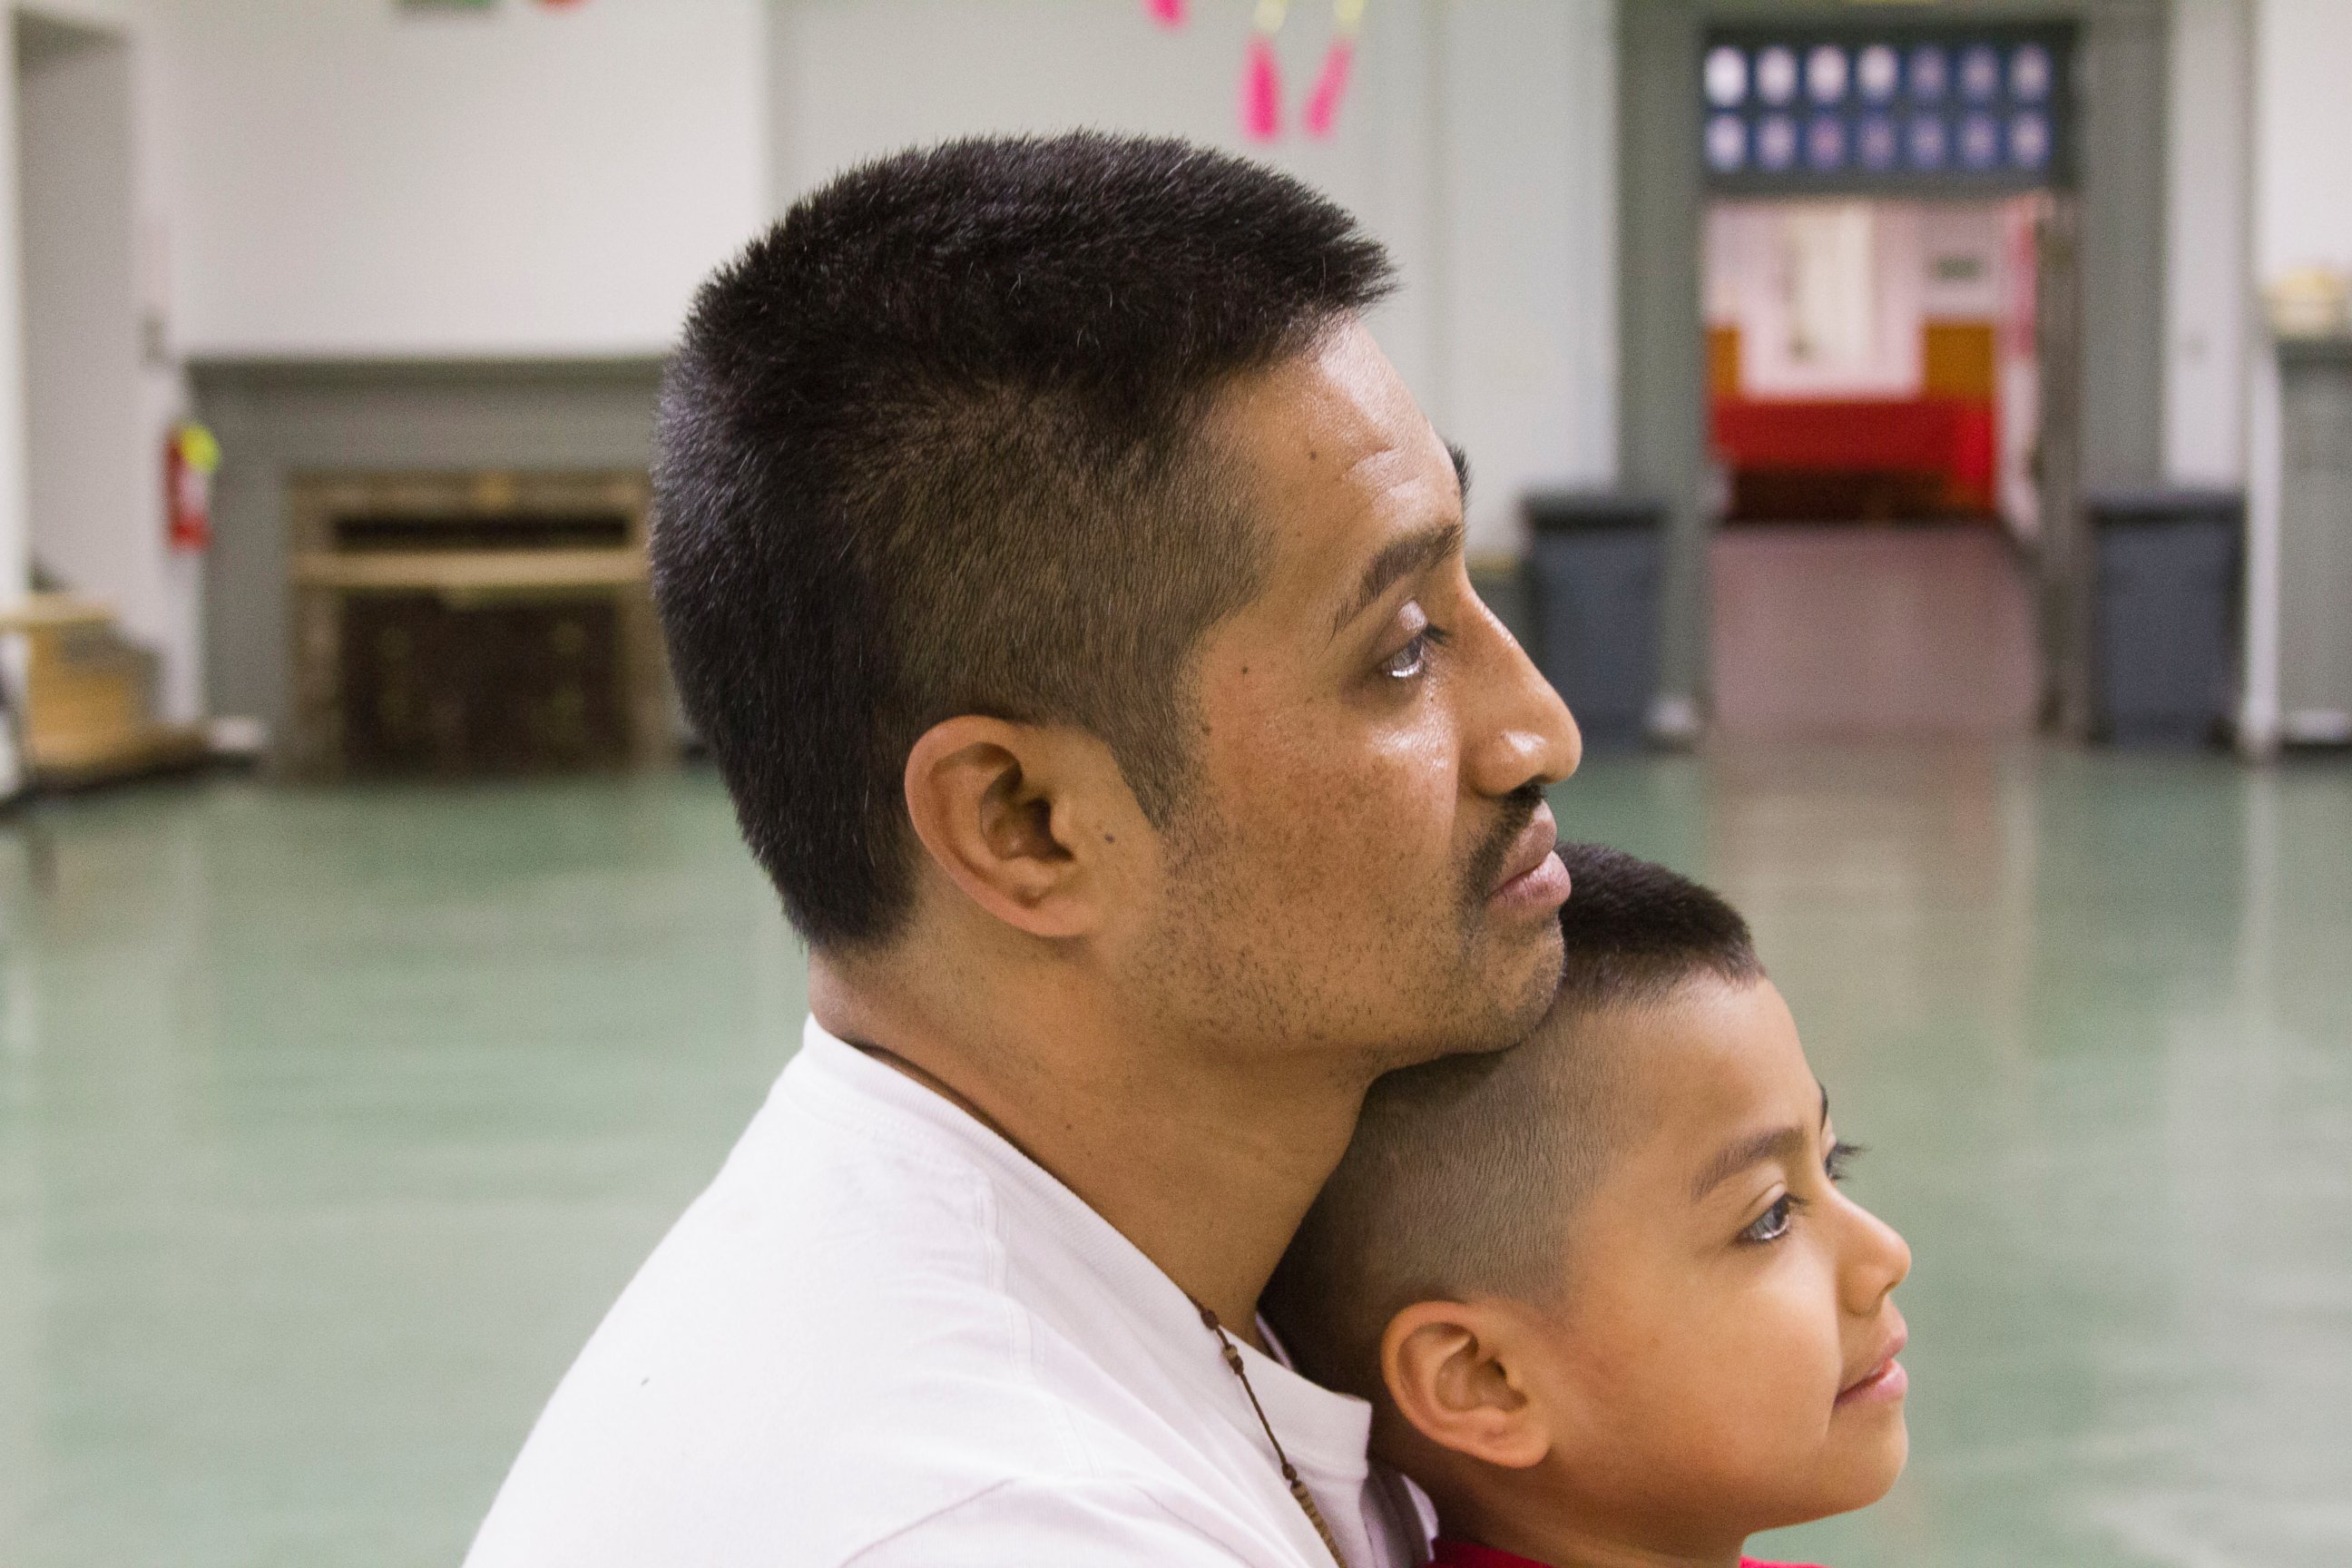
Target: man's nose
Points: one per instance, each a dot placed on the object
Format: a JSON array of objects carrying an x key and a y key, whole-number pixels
[{"x": 1520, "y": 732}]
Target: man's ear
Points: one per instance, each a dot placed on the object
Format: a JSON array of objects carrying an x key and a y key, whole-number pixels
[
  {"x": 1018, "y": 815},
  {"x": 1454, "y": 1373}
]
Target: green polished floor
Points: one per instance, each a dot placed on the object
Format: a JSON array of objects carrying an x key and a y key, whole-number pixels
[{"x": 331, "y": 1123}]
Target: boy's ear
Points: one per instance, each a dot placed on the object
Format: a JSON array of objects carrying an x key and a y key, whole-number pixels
[
  {"x": 1456, "y": 1374},
  {"x": 1019, "y": 817}
]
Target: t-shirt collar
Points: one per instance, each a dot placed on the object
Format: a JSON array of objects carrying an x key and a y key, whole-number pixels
[{"x": 1326, "y": 1433}]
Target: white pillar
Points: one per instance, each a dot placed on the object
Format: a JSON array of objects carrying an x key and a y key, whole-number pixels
[
  {"x": 2208, "y": 246},
  {"x": 2258, "y": 707},
  {"x": 15, "y": 513}
]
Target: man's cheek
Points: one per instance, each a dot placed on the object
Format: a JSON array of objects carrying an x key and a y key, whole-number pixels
[{"x": 1414, "y": 778}]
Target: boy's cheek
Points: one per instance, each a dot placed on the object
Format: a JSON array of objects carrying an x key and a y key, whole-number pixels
[{"x": 1789, "y": 1365}]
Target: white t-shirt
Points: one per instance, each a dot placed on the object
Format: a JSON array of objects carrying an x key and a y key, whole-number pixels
[{"x": 885, "y": 1338}]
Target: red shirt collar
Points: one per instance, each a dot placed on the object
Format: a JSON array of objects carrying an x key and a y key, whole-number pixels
[{"x": 1468, "y": 1555}]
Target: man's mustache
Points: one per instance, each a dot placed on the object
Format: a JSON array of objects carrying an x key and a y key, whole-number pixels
[{"x": 1518, "y": 809}]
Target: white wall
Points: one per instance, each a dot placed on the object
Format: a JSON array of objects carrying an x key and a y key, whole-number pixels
[
  {"x": 352, "y": 179},
  {"x": 338, "y": 178},
  {"x": 15, "y": 499},
  {"x": 95, "y": 404},
  {"x": 1478, "y": 143},
  {"x": 76, "y": 197},
  {"x": 2208, "y": 294},
  {"x": 1827, "y": 296},
  {"x": 2302, "y": 126},
  {"x": 1528, "y": 126},
  {"x": 324, "y": 178}
]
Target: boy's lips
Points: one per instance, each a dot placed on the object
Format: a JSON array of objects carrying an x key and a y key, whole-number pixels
[{"x": 1885, "y": 1380}]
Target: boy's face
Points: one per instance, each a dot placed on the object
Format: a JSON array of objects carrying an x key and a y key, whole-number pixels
[
  {"x": 1718, "y": 1355},
  {"x": 1722, "y": 1350}
]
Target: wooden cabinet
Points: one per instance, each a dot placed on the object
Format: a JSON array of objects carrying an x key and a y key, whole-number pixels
[{"x": 461, "y": 623}]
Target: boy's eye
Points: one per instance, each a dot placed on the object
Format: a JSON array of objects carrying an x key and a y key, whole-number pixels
[
  {"x": 1773, "y": 1223},
  {"x": 1841, "y": 1156}
]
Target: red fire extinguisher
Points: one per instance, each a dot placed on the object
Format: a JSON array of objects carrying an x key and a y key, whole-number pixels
[{"x": 190, "y": 455}]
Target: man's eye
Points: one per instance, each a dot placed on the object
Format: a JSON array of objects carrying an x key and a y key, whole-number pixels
[
  {"x": 1409, "y": 660},
  {"x": 1773, "y": 1223},
  {"x": 1412, "y": 661}
]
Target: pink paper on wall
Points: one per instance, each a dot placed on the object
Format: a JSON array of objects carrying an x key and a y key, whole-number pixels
[
  {"x": 1261, "y": 83},
  {"x": 1262, "y": 89},
  {"x": 1330, "y": 87}
]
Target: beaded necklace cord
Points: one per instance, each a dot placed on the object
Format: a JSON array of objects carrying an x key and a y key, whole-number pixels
[
  {"x": 1208, "y": 1317},
  {"x": 1289, "y": 1471}
]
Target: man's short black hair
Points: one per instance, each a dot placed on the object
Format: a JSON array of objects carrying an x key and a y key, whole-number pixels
[
  {"x": 1466, "y": 1173},
  {"x": 933, "y": 444}
]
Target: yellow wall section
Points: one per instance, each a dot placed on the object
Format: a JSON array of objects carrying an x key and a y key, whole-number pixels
[
  {"x": 1956, "y": 360},
  {"x": 1722, "y": 362}
]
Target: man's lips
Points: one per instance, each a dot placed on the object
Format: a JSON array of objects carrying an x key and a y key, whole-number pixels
[
  {"x": 1885, "y": 1379},
  {"x": 1531, "y": 874}
]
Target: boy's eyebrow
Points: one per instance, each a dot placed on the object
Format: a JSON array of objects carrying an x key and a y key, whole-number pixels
[{"x": 1787, "y": 1145}]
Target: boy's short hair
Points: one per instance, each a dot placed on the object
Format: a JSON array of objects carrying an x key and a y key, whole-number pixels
[{"x": 1464, "y": 1172}]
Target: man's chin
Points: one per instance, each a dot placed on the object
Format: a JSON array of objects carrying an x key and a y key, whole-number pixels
[
  {"x": 1539, "y": 984},
  {"x": 1515, "y": 997}
]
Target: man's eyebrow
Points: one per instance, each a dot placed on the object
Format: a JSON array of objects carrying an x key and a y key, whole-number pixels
[
  {"x": 1398, "y": 559},
  {"x": 1786, "y": 1144}
]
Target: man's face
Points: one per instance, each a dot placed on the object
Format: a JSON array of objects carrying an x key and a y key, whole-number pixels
[{"x": 1365, "y": 865}]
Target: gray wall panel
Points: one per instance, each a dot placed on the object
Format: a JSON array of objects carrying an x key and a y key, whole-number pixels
[{"x": 2315, "y": 538}]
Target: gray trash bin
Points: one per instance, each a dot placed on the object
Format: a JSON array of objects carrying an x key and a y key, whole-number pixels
[
  {"x": 2166, "y": 644},
  {"x": 1598, "y": 562}
]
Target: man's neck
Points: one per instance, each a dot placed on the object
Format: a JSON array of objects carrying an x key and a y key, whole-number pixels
[{"x": 1205, "y": 1162}]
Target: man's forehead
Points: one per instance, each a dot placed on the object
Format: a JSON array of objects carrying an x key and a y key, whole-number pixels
[
  {"x": 1338, "y": 454},
  {"x": 1339, "y": 397}
]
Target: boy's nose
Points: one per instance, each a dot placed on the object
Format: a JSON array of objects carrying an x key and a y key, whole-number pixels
[{"x": 1880, "y": 1261}]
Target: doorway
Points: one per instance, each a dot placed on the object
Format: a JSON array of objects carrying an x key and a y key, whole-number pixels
[
  {"x": 1875, "y": 434},
  {"x": 1882, "y": 312}
]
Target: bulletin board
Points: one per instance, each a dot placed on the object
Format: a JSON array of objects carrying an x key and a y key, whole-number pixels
[{"x": 1921, "y": 111}]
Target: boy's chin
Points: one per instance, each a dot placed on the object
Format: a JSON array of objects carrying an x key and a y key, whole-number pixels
[
  {"x": 1856, "y": 1471},
  {"x": 1873, "y": 1462}
]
